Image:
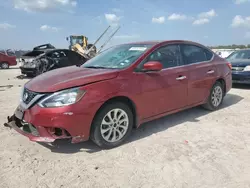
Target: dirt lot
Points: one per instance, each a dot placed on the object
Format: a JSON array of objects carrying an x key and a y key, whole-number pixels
[{"x": 194, "y": 148}]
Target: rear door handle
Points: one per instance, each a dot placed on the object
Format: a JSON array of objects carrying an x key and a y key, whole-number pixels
[
  {"x": 210, "y": 72},
  {"x": 181, "y": 78}
]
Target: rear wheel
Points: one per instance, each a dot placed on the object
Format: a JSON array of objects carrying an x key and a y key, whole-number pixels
[
  {"x": 4, "y": 65},
  {"x": 215, "y": 98},
  {"x": 112, "y": 125}
]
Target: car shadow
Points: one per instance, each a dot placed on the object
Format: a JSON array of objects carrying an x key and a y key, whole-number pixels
[
  {"x": 241, "y": 86},
  {"x": 146, "y": 129},
  {"x": 14, "y": 68},
  {"x": 22, "y": 77}
]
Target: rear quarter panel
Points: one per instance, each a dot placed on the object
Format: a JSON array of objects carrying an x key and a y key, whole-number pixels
[{"x": 224, "y": 72}]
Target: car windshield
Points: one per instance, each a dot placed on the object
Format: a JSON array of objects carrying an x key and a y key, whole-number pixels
[
  {"x": 76, "y": 40},
  {"x": 118, "y": 57},
  {"x": 242, "y": 54}
]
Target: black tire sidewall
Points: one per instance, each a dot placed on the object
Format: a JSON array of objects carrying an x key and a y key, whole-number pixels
[{"x": 96, "y": 131}]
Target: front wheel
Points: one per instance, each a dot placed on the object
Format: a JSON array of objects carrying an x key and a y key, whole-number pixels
[
  {"x": 215, "y": 98},
  {"x": 112, "y": 125}
]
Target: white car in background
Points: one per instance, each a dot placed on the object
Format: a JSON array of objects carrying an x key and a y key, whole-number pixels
[{"x": 224, "y": 53}]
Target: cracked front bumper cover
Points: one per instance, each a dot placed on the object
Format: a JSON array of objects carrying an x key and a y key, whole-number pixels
[{"x": 38, "y": 134}]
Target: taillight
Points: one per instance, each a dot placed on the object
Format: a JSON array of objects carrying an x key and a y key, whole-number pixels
[{"x": 229, "y": 65}]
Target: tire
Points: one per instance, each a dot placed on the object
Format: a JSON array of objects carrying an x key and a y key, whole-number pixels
[
  {"x": 4, "y": 65},
  {"x": 211, "y": 105},
  {"x": 120, "y": 129}
]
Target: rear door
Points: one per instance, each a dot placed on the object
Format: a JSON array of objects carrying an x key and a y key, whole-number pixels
[
  {"x": 165, "y": 90},
  {"x": 201, "y": 72}
]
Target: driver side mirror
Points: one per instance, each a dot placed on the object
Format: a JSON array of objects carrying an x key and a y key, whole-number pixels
[{"x": 152, "y": 66}]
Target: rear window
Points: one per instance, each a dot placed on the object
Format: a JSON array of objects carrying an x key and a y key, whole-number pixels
[
  {"x": 209, "y": 54},
  {"x": 195, "y": 54}
]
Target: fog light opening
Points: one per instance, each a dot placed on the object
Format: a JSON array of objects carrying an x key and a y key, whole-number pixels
[{"x": 58, "y": 132}]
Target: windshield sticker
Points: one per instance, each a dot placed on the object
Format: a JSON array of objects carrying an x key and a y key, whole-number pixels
[{"x": 137, "y": 49}]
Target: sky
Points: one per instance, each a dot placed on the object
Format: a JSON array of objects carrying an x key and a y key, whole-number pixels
[{"x": 28, "y": 23}]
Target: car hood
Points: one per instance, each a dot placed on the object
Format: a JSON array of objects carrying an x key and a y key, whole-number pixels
[
  {"x": 68, "y": 77},
  {"x": 240, "y": 62}
]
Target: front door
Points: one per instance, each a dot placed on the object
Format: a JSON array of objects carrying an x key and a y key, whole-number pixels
[
  {"x": 201, "y": 72},
  {"x": 165, "y": 90}
]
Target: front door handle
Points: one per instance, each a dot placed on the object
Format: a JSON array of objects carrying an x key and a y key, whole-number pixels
[
  {"x": 210, "y": 72},
  {"x": 181, "y": 78}
]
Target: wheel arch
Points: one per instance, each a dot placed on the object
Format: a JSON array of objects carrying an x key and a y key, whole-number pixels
[
  {"x": 223, "y": 83},
  {"x": 125, "y": 100},
  {"x": 4, "y": 62}
]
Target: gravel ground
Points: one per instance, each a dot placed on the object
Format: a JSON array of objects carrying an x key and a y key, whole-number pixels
[{"x": 193, "y": 148}]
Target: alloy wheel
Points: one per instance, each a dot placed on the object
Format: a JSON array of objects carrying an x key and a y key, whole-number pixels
[
  {"x": 114, "y": 125},
  {"x": 217, "y": 96},
  {"x": 5, "y": 65}
]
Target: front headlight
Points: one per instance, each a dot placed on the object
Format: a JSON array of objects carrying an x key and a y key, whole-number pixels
[
  {"x": 247, "y": 68},
  {"x": 62, "y": 98}
]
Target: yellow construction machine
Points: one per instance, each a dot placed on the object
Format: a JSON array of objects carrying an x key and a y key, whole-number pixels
[{"x": 79, "y": 43}]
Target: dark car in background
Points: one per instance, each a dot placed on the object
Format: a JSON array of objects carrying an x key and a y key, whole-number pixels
[
  {"x": 40, "y": 61},
  {"x": 240, "y": 61},
  {"x": 6, "y": 61}
]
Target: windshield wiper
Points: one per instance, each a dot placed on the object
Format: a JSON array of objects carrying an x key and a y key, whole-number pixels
[{"x": 96, "y": 67}]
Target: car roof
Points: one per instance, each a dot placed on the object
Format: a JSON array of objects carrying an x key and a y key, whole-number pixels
[
  {"x": 58, "y": 49},
  {"x": 246, "y": 49},
  {"x": 165, "y": 42}
]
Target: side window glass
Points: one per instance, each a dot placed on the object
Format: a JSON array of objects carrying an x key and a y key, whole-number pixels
[
  {"x": 62, "y": 54},
  {"x": 55, "y": 54},
  {"x": 194, "y": 54},
  {"x": 169, "y": 56},
  {"x": 209, "y": 55}
]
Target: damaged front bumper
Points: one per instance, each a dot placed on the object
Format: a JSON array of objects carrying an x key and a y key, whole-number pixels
[
  {"x": 36, "y": 134},
  {"x": 48, "y": 125}
]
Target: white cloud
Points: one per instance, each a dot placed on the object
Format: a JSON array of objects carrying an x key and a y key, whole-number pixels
[
  {"x": 126, "y": 36},
  {"x": 43, "y": 5},
  {"x": 159, "y": 20},
  {"x": 237, "y": 2},
  {"x": 204, "y": 17},
  {"x": 6, "y": 26},
  {"x": 201, "y": 21},
  {"x": 112, "y": 18},
  {"x": 177, "y": 17},
  {"x": 239, "y": 21},
  {"x": 49, "y": 28},
  {"x": 74, "y": 3},
  {"x": 208, "y": 14}
]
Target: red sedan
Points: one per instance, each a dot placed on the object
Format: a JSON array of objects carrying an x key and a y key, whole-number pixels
[
  {"x": 120, "y": 89},
  {"x": 7, "y": 61}
]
